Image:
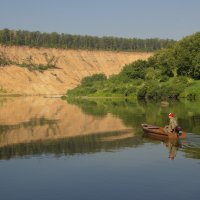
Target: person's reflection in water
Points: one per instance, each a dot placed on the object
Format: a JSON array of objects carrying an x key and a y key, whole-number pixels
[{"x": 173, "y": 147}]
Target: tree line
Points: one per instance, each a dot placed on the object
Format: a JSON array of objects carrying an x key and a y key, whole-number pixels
[{"x": 68, "y": 41}]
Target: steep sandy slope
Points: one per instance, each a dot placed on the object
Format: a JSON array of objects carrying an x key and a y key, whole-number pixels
[{"x": 72, "y": 65}]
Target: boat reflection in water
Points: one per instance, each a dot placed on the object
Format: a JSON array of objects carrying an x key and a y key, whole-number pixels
[{"x": 173, "y": 145}]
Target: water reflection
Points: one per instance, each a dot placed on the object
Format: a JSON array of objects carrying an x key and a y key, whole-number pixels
[
  {"x": 134, "y": 113},
  {"x": 30, "y": 125},
  {"x": 105, "y": 141},
  {"x": 38, "y": 125},
  {"x": 172, "y": 145}
]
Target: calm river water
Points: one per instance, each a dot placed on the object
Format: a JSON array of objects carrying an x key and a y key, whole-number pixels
[{"x": 96, "y": 150}]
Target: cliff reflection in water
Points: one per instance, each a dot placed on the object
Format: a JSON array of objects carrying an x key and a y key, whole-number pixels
[{"x": 37, "y": 125}]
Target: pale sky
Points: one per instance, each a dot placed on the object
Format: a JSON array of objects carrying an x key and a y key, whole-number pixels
[{"x": 173, "y": 19}]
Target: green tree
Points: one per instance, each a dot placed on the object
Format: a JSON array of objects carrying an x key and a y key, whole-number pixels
[
  {"x": 187, "y": 56},
  {"x": 135, "y": 70},
  {"x": 55, "y": 40}
]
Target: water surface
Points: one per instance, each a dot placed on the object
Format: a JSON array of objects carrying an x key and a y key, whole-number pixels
[{"x": 87, "y": 149}]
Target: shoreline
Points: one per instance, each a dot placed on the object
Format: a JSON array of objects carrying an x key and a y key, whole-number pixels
[{"x": 30, "y": 95}]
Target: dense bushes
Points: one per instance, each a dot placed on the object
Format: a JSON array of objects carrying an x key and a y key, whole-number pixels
[
  {"x": 150, "y": 90},
  {"x": 82, "y": 91},
  {"x": 187, "y": 56},
  {"x": 89, "y": 85},
  {"x": 135, "y": 70},
  {"x": 192, "y": 90},
  {"x": 89, "y": 80},
  {"x": 156, "y": 90}
]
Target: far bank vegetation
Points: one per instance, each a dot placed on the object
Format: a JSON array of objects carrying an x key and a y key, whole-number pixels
[
  {"x": 85, "y": 42},
  {"x": 171, "y": 73}
]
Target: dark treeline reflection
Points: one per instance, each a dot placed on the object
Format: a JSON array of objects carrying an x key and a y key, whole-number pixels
[
  {"x": 133, "y": 113},
  {"x": 74, "y": 145},
  {"x": 46, "y": 138},
  {"x": 28, "y": 124}
]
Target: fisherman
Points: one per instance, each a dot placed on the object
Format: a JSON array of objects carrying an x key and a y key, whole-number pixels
[{"x": 172, "y": 124}]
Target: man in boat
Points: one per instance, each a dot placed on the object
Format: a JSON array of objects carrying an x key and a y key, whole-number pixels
[{"x": 172, "y": 124}]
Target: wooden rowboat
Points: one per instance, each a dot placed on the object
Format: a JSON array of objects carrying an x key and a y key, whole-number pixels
[{"x": 159, "y": 131}]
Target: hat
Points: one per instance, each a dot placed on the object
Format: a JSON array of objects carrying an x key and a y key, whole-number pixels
[{"x": 171, "y": 115}]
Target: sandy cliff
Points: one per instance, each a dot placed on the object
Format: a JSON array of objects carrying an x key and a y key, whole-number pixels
[{"x": 72, "y": 65}]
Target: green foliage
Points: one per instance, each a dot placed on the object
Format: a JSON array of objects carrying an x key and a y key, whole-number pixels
[
  {"x": 82, "y": 91},
  {"x": 173, "y": 88},
  {"x": 180, "y": 80},
  {"x": 150, "y": 90},
  {"x": 152, "y": 74},
  {"x": 195, "y": 71},
  {"x": 167, "y": 74},
  {"x": 164, "y": 78},
  {"x": 169, "y": 89},
  {"x": 118, "y": 79},
  {"x": 163, "y": 60},
  {"x": 130, "y": 91},
  {"x": 135, "y": 70},
  {"x": 183, "y": 58},
  {"x": 67, "y": 41},
  {"x": 192, "y": 90},
  {"x": 99, "y": 85},
  {"x": 90, "y": 80},
  {"x": 187, "y": 56},
  {"x": 142, "y": 92}
]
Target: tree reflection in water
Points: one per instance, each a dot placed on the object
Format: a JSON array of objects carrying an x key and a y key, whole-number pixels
[{"x": 35, "y": 126}]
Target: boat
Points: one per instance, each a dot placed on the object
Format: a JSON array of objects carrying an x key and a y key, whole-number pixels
[{"x": 159, "y": 131}]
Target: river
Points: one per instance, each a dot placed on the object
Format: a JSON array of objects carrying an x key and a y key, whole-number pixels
[{"x": 95, "y": 149}]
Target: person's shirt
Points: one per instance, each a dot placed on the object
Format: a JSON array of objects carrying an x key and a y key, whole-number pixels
[{"x": 172, "y": 124}]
